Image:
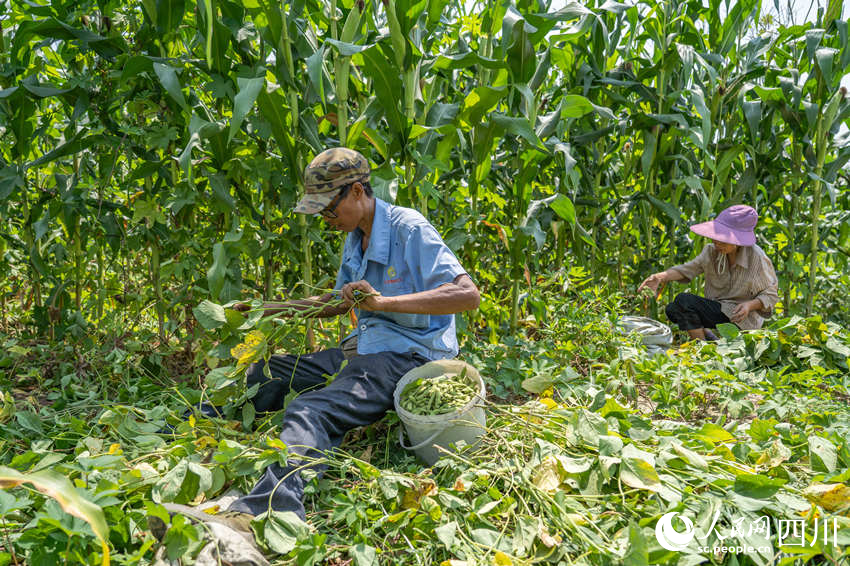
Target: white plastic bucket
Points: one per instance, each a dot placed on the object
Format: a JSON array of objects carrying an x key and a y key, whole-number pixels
[
  {"x": 426, "y": 432},
  {"x": 656, "y": 336}
]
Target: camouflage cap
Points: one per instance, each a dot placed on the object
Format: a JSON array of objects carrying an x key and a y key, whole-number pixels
[{"x": 330, "y": 170}]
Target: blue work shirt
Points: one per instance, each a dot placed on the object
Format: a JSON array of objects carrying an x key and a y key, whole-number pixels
[{"x": 405, "y": 255}]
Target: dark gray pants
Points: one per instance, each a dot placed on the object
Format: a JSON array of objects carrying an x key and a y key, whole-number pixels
[
  {"x": 316, "y": 421},
  {"x": 690, "y": 312}
]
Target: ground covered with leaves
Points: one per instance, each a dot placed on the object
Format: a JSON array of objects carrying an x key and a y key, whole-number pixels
[{"x": 591, "y": 442}]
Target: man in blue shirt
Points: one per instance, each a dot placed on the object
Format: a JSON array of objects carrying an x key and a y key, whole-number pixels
[{"x": 405, "y": 285}]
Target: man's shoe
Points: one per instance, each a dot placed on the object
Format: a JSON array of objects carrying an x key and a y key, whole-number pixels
[
  {"x": 229, "y": 547},
  {"x": 236, "y": 520},
  {"x": 229, "y": 532}
]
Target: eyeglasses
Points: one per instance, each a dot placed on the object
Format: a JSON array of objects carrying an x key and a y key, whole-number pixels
[{"x": 328, "y": 211}]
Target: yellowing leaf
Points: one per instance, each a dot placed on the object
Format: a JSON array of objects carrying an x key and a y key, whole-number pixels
[
  {"x": 7, "y": 411},
  {"x": 775, "y": 454},
  {"x": 59, "y": 488},
  {"x": 637, "y": 469},
  {"x": 547, "y": 476},
  {"x": 502, "y": 559},
  {"x": 714, "y": 433},
  {"x": 830, "y": 496},
  {"x": 694, "y": 459},
  {"x": 548, "y": 540},
  {"x": 205, "y": 441},
  {"x": 548, "y": 402},
  {"x": 413, "y": 495},
  {"x": 251, "y": 349},
  {"x": 115, "y": 449}
]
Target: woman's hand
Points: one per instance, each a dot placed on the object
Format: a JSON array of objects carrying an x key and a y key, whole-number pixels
[
  {"x": 653, "y": 282},
  {"x": 742, "y": 310},
  {"x": 740, "y": 313},
  {"x": 362, "y": 295}
]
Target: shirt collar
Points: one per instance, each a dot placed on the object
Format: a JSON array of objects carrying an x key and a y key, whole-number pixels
[
  {"x": 379, "y": 240},
  {"x": 742, "y": 258}
]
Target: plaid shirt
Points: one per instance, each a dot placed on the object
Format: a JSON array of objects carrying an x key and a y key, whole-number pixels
[{"x": 752, "y": 277}]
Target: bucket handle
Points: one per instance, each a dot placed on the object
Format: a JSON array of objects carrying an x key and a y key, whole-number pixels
[{"x": 416, "y": 446}]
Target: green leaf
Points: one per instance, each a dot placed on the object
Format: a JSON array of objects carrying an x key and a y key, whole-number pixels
[
  {"x": 41, "y": 91},
  {"x": 446, "y": 534},
  {"x": 714, "y": 433},
  {"x": 348, "y": 49},
  {"x": 364, "y": 555},
  {"x": 218, "y": 270},
  {"x": 79, "y": 142},
  {"x": 210, "y": 315},
  {"x": 9, "y": 179},
  {"x": 575, "y": 106},
  {"x": 107, "y": 47},
  {"x": 387, "y": 86},
  {"x": 637, "y": 469},
  {"x": 520, "y": 127},
  {"x": 29, "y": 421},
  {"x": 7, "y": 92},
  {"x": 825, "y": 57},
  {"x": 637, "y": 553},
  {"x": 694, "y": 459},
  {"x": 441, "y": 114},
  {"x": 752, "y": 111},
  {"x": 280, "y": 531},
  {"x": 273, "y": 108},
  {"x": 768, "y": 94},
  {"x": 571, "y": 10},
  {"x": 673, "y": 213},
  {"x": 823, "y": 455},
  {"x": 248, "y": 414},
  {"x": 174, "y": 487},
  {"x": 538, "y": 383},
  {"x": 757, "y": 486},
  {"x": 488, "y": 538},
  {"x": 563, "y": 207},
  {"x": 244, "y": 102},
  {"x": 315, "y": 71},
  {"x": 480, "y": 101},
  {"x": 169, "y": 14},
  {"x": 168, "y": 77},
  {"x": 72, "y": 502},
  {"x": 456, "y": 61},
  {"x": 728, "y": 330},
  {"x": 521, "y": 58},
  {"x": 761, "y": 429}
]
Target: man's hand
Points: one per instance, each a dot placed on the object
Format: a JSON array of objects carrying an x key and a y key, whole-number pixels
[
  {"x": 653, "y": 282},
  {"x": 362, "y": 295},
  {"x": 241, "y": 307}
]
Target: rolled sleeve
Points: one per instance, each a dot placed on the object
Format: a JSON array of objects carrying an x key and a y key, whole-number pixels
[
  {"x": 429, "y": 259},
  {"x": 695, "y": 267},
  {"x": 769, "y": 293}
]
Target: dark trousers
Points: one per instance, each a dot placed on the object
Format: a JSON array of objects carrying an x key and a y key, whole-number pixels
[
  {"x": 690, "y": 312},
  {"x": 316, "y": 420}
]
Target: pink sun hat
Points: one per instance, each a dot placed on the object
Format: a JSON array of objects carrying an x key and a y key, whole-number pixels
[{"x": 732, "y": 226}]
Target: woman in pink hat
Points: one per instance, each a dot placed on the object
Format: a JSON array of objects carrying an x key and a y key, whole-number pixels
[{"x": 740, "y": 282}]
